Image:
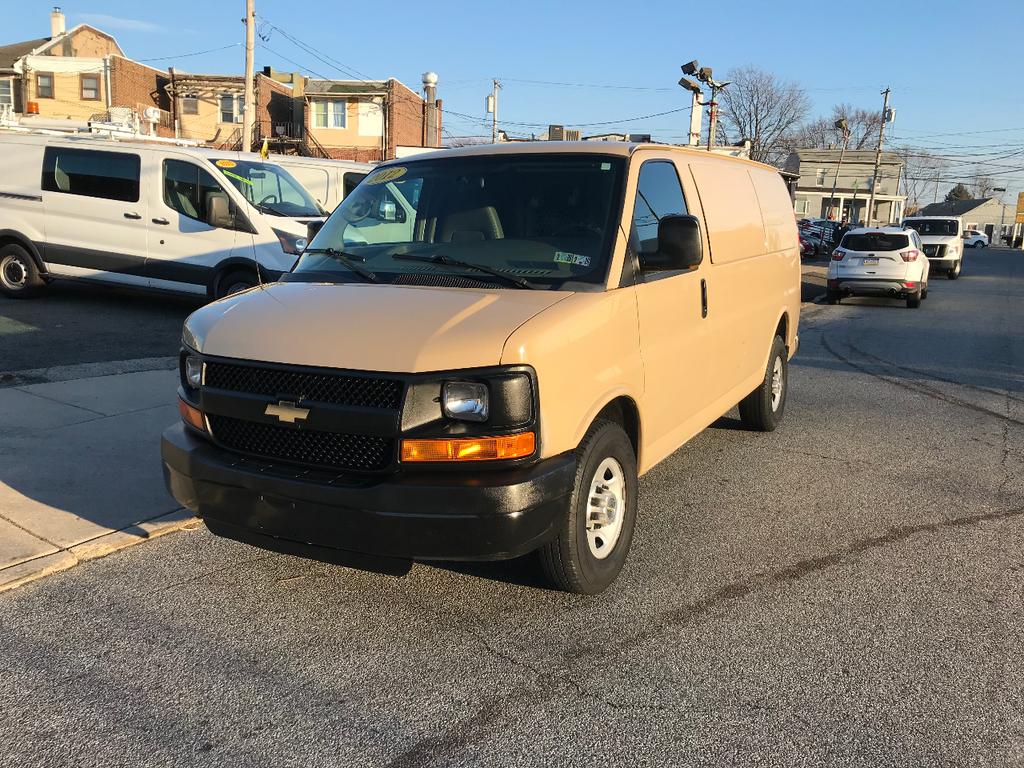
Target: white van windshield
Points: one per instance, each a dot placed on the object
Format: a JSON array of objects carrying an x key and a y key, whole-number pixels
[
  {"x": 545, "y": 219},
  {"x": 270, "y": 188},
  {"x": 943, "y": 227}
]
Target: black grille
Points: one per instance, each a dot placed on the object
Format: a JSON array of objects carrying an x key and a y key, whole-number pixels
[
  {"x": 360, "y": 453},
  {"x": 934, "y": 251},
  {"x": 335, "y": 388}
]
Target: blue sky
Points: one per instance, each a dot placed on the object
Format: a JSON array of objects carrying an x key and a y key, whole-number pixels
[{"x": 954, "y": 67}]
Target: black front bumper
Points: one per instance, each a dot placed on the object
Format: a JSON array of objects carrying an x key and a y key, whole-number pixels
[{"x": 476, "y": 515}]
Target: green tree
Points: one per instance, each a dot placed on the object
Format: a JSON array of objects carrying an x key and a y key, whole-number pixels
[{"x": 959, "y": 192}]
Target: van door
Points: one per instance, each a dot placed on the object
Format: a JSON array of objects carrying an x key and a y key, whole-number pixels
[
  {"x": 675, "y": 338},
  {"x": 187, "y": 241},
  {"x": 95, "y": 213}
]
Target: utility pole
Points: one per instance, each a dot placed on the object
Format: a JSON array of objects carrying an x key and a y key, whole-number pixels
[
  {"x": 492, "y": 107},
  {"x": 878, "y": 158},
  {"x": 249, "y": 110},
  {"x": 843, "y": 126},
  {"x": 714, "y": 116}
]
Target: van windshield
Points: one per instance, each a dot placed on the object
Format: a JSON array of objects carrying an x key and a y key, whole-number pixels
[
  {"x": 544, "y": 219},
  {"x": 874, "y": 241},
  {"x": 944, "y": 227},
  {"x": 270, "y": 188}
]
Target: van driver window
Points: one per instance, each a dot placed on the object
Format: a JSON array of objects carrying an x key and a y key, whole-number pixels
[
  {"x": 658, "y": 194},
  {"x": 188, "y": 189}
]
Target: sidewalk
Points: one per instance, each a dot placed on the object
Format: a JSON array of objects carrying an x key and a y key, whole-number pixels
[{"x": 80, "y": 470}]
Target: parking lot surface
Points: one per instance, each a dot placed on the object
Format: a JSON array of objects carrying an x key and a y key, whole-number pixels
[{"x": 844, "y": 591}]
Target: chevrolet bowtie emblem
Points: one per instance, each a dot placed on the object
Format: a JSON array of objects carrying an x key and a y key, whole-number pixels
[{"x": 286, "y": 412}]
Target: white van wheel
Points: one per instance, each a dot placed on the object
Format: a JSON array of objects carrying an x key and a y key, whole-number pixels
[
  {"x": 594, "y": 537},
  {"x": 19, "y": 277}
]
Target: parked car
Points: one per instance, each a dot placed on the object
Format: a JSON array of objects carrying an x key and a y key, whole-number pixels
[
  {"x": 328, "y": 181},
  {"x": 887, "y": 261},
  {"x": 142, "y": 214},
  {"x": 942, "y": 244},
  {"x": 975, "y": 239},
  {"x": 490, "y": 376}
]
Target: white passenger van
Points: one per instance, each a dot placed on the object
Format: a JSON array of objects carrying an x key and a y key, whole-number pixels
[
  {"x": 328, "y": 181},
  {"x": 144, "y": 214}
]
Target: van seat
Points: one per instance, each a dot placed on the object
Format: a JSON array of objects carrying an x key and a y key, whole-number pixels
[{"x": 472, "y": 224}]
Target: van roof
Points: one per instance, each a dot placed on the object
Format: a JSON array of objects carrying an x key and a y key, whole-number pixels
[{"x": 616, "y": 148}]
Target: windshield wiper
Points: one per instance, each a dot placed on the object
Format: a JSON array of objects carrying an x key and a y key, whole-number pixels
[
  {"x": 349, "y": 260},
  {"x": 448, "y": 261}
]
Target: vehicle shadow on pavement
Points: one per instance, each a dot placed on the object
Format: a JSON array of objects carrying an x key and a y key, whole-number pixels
[{"x": 524, "y": 571}]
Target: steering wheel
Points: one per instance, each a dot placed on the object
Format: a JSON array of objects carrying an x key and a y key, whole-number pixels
[
  {"x": 359, "y": 209},
  {"x": 268, "y": 199}
]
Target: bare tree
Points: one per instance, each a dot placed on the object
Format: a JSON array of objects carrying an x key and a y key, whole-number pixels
[
  {"x": 821, "y": 133},
  {"x": 922, "y": 177},
  {"x": 761, "y": 107},
  {"x": 983, "y": 184}
]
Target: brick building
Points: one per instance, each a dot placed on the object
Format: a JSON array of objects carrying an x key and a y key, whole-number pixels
[{"x": 209, "y": 108}]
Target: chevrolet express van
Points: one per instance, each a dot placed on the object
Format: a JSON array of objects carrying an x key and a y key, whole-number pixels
[
  {"x": 488, "y": 375},
  {"x": 141, "y": 214}
]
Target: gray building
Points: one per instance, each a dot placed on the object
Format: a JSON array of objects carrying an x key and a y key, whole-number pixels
[
  {"x": 989, "y": 215},
  {"x": 819, "y": 169}
]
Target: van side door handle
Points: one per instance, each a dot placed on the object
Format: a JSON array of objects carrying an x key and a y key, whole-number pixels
[
  {"x": 161, "y": 221},
  {"x": 133, "y": 216},
  {"x": 703, "y": 298}
]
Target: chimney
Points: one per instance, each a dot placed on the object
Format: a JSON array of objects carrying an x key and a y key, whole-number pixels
[
  {"x": 56, "y": 22},
  {"x": 430, "y": 98}
]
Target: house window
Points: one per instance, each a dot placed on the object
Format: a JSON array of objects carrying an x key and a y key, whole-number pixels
[
  {"x": 6, "y": 92},
  {"x": 330, "y": 114},
  {"x": 820, "y": 177},
  {"x": 801, "y": 206},
  {"x": 90, "y": 87},
  {"x": 232, "y": 106},
  {"x": 44, "y": 85},
  {"x": 190, "y": 104}
]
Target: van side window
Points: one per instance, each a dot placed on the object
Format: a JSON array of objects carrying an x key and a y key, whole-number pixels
[
  {"x": 188, "y": 189},
  {"x": 86, "y": 172},
  {"x": 658, "y": 194},
  {"x": 351, "y": 179}
]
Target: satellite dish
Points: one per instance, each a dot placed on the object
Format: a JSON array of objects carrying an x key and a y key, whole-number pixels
[{"x": 152, "y": 114}]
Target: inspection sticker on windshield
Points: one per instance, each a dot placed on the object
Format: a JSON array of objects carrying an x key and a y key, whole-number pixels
[
  {"x": 387, "y": 174},
  {"x": 562, "y": 257},
  {"x": 226, "y": 163}
]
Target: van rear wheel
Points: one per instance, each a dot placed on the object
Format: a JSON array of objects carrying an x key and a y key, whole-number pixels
[
  {"x": 593, "y": 541},
  {"x": 19, "y": 276},
  {"x": 762, "y": 409}
]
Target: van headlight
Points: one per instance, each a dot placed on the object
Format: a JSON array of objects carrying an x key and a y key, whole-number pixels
[
  {"x": 291, "y": 244},
  {"x": 193, "y": 371},
  {"x": 465, "y": 400}
]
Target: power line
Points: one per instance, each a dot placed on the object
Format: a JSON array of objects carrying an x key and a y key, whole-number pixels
[{"x": 194, "y": 53}]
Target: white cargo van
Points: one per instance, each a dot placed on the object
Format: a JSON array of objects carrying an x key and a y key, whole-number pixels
[
  {"x": 143, "y": 214},
  {"x": 328, "y": 181}
]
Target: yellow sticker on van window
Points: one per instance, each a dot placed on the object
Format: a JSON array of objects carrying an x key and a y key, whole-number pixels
[
  {"x": 387, "y": 174},
  {"x": 226, "y": 163}
]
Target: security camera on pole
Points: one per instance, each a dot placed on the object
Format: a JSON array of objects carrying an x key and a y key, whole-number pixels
[{"x": 704, "y": 75}]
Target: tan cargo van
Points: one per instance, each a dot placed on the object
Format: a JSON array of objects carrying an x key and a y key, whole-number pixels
[{"x": 482, "y": 350}]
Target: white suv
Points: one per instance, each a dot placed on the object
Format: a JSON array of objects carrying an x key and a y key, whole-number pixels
[
  {"x": 941, "y": 241},
  {"x": 975, "y": 239},
  {"x": 886, "y": 261}
]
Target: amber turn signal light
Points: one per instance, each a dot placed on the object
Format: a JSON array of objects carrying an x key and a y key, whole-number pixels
[
  {"x": 470, "y": 449},
  {"x": 191, "y": 415}
]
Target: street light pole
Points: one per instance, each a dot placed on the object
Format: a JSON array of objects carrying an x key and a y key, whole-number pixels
[
  {"x": 1002, "y": 212},
  {"x": 842, "y": 125}
]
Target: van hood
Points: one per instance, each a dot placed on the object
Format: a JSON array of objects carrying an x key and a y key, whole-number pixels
[{"x": 398, "y": 329}]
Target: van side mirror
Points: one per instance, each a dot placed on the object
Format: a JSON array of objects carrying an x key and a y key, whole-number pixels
[
  {"x": 312, "y": 228},
  {"x": 218, "y": 211},
  {"x": 679, "y": 242}
]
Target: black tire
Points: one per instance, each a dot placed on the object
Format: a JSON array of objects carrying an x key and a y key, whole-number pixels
[
  {"x": 913, "y": 300},
  {"x": 833, "y": 297},
  {"x": 568, "y": 561},
  {"x": 19, "y": 275},
  {"x": 760, "y": 410},
  {"x": 235, "y": 281},
  {"x": 978, "y": 244},
  {"x": 954, "y": 273},
  {"x": 924, "y": 293}
]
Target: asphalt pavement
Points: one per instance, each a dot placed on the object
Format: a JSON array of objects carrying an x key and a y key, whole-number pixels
[{"x": 844, "y": 591}]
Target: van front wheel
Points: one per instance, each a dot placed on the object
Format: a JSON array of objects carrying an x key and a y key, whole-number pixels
[
  {"x": 594, "y": 539},
  {"x": 19, "y": 277},
  {"x": 762, "y": 409}
]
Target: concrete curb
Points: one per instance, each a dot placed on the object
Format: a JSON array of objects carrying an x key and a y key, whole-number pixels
[
  {"x": 29, "y": 570},
  {"x": 85, "y": 371}
]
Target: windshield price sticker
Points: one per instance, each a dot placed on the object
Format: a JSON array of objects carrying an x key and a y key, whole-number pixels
[
  {"x": 226, "y": 163},
  {"x": 561, "y": 257},
  {"x": 386, "y": 175}
]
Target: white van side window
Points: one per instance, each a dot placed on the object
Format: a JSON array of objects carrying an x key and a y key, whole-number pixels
[
  {"x": 188, "y": 189},
  {"x": 658, "y": 194},
  {"x": 86, "y": 172}
]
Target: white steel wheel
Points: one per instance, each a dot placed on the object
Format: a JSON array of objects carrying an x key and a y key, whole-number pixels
[
  {"x": 606, "y": 508},
  {"x": 777, "y": 383}
]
